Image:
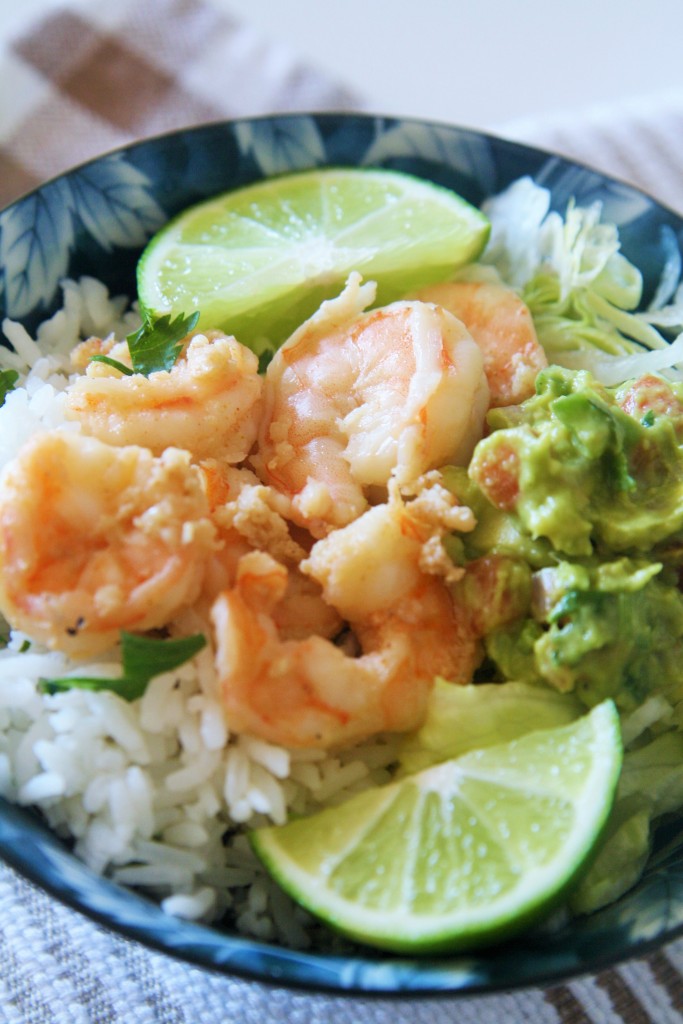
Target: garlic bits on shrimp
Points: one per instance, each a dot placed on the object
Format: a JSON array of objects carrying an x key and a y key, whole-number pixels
[{"x": 355, "y": 399}]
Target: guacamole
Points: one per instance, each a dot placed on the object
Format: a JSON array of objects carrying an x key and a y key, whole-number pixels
[
  {"x": 578, "y": 468},
  {"x": 583, "y": 485}
]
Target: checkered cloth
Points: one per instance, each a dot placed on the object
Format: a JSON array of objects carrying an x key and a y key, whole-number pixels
[
  {"x": 89, "y": 78},
  {"x": 639, "y": 140}
]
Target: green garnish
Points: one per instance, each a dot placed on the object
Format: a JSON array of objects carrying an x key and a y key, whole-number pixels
[
  {"x": 142, "y": 658},
  {"x": 121, "y": 367},
  {"x": 156, "y": 345},
  {"x": 8, "y": 380}
]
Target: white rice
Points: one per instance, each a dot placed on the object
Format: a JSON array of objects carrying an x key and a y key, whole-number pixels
[{"x": 157, "y": 793}]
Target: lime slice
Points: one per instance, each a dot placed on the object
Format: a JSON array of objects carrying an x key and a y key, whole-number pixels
[
  {"x": 463, "y": 854},
  {"x": 258, "y": 261}
]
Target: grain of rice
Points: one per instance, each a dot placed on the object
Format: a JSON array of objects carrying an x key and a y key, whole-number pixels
[
  {"x": 186, "y": 833},
  {"x": 58, "y": 758},
  {"x": 19, "y": 697},
  {"x": 153, "y": 875},
  {"x": 109, "y": 759},
  {"x": 64, "y": 719},
  {"x": 135, "y": 792},
  {"x": 118, "y": 720},
  {"x": 236, "y": 775},
  {"x": 191, "y": 907},
  {"x": 339, "y": 777},
  {"x": 21, "y": 341},
  {"x": 44, "y": 786},
  {"x": 212, "y": 728},
  {"x": 25, "y": 761},
  {"x": 190, "y": 736},
  {"x": 251, "y": 924},
  {"x": 203, "y": 765},
  {"x": 274, "y": 759},
  {"x": 265, "y": 795},
  {"x": 307, "y": 775},
  {"x": 96, "y": 794},
  {"x": 98, "y": 846},
  {"x": 257, "y": 897},
  {"x": 31, "y": 666},
  {"x": 155, "y": 852},
  {"x": 241, "y": 811},
  {"x": 152, "y": 708},
  {"x": 208, "y": 804}
]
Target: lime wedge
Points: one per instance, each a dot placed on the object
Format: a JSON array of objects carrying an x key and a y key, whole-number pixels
[
  {"x": 463, "y": 854},
  {"x": 259, "y": 260}
]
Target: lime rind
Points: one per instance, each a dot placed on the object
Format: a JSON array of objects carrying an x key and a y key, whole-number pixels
[
  {"x": 258, "y": 260},
  {"x": 358, "y": 866}
]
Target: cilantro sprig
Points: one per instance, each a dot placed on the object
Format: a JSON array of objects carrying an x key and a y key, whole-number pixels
[
  {"x": 156, "y": 345},
  {"x": 142, "y": 657},
  {"x": 8, "y": 380}
]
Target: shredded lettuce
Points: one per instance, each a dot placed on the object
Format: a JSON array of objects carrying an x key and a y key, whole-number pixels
[
  {"x": 464, "y": 718},
  {"x": 582, "y": 291}
]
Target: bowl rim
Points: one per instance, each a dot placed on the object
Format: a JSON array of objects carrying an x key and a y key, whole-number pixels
[
  {"x": 361, "y": 116},
  {"x": 372, "y": 977}
]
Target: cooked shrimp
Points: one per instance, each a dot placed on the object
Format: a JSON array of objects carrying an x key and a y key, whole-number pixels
[
  {"x": 311, "y": 693},
  {"x": 502, "y": 326},
  {"x": 245, "y": 513},
  {"x": 209, "y": 403},
  {"x": 355, "y": 399},
  {"x": 96, "y": 539}
]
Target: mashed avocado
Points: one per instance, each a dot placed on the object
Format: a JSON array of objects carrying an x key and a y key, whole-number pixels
[
  {"x": 578, "y": 469},
  {"x": 615, "y": 630},
  {"x": 584, "y": 484}
]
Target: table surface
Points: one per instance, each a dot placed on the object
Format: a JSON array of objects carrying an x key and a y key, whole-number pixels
[{"x": 478, "y": 64}]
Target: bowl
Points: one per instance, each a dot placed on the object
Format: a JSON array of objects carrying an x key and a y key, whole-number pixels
[{"x": 95, "y": 220}]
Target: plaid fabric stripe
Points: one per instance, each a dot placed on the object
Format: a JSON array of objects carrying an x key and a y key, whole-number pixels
[{"x": 89, "y": 79}]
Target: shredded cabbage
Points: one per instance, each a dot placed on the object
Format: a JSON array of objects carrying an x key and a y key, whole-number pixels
[{"x": 582, "y": 291}]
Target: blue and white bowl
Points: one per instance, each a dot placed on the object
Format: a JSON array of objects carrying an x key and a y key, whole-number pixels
[{"x": 95, "y": 220}]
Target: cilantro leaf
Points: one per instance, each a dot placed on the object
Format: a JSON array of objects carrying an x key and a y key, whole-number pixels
[
  {"x": 8, "y": 379},
  {"x": 156, "y": 345},
  {"x": 142, "y": 657}
]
